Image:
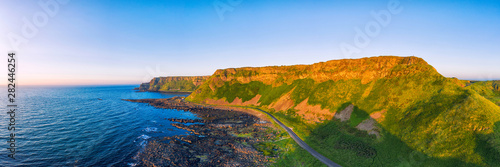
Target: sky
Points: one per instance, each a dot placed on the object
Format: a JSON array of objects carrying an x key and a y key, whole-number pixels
[{"x": 101, "y": 42}]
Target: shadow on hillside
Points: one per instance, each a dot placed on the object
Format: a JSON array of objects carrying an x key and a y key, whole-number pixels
[
  {"x": 348, "y": 146},
  {"x": 489, "y": 146}
]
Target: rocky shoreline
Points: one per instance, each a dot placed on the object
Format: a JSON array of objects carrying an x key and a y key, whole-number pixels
[{"x": 225, "y": 136}]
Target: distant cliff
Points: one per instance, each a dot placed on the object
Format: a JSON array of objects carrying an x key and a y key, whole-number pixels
[
  {"x": 174, "y": 84},
  {"x": 438, "y": 117}
]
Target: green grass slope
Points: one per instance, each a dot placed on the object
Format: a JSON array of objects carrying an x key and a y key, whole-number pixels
[
  {"x": 488, "y": 89},
  {"x": 424, "y": 118},
  {"x": 175, "y": 84}
]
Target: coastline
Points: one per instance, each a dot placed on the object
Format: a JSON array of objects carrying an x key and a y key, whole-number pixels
[
  {"x": 224, "y": 136},
  {"x": 160, "y": 91}
]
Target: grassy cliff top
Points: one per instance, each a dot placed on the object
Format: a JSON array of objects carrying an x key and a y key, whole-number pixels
[{"x": 366, "y": 69}]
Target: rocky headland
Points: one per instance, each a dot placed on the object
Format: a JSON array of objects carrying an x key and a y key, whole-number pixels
[{"x": 173, "y": 84}]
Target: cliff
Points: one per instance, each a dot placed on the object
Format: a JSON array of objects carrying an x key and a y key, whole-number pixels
[
  {"x": 174, "y": 83},
  {"x": 144, "y": 86},
  {"x": 403, "y": 97}
]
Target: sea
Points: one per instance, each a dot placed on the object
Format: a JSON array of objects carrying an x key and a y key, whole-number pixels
[{"x": 83, "y": 125}]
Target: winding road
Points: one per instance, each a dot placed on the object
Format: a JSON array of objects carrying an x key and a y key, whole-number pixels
[{"x": 303, "y": 144}]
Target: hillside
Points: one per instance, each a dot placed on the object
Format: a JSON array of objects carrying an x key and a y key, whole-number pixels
[
  {"x": 379, "y": 111},
  {"x": 174, "y": 84},
  {"x": 488, "y": 89}
]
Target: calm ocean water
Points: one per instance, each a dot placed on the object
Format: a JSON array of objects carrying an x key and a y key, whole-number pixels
[{"x": 83, "y": 126}]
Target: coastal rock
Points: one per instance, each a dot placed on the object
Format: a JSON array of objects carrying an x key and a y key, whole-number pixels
[{"x": 211, "y": 143}]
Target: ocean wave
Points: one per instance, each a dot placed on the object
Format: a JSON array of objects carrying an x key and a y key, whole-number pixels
[
  {"x": 143, "y": 143},
  {"x": 144, "y": 137},
  {"x": 151, "y": 129}
]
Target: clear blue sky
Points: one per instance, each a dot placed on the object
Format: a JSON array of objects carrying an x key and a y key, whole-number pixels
[{"x": 128, "y": 42}]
